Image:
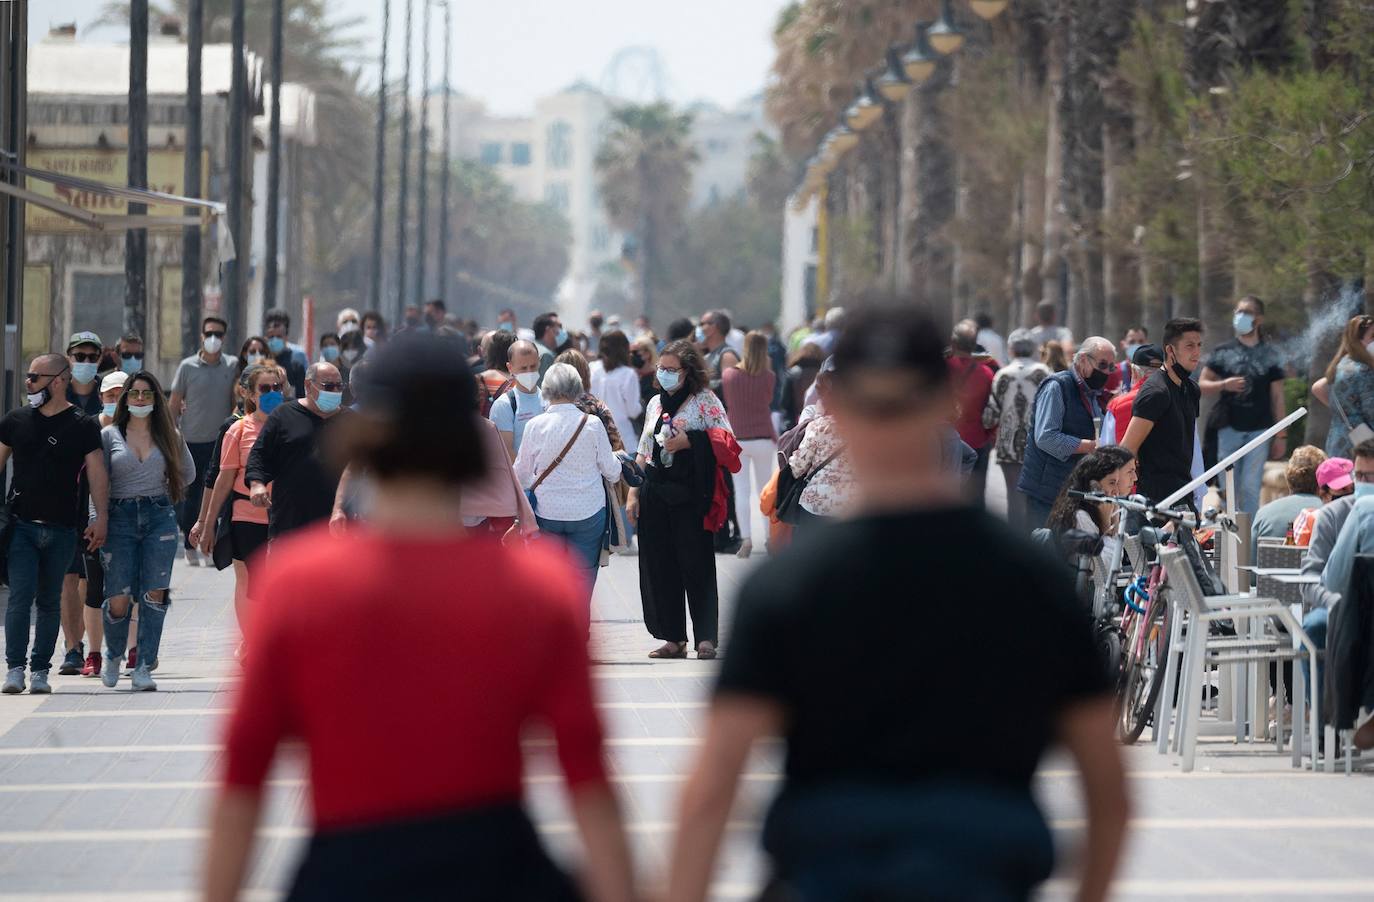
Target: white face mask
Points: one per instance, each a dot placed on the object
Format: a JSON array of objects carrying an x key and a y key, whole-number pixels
[
  {"x": 527, "y": 381},
  {"x": 213, "y": 344},
  {"x": 1370, "y": 347},
  {"x": 140, "y": 412}
]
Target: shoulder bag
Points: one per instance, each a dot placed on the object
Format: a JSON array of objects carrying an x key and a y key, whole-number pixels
[
  {"x": 789, "y": 505},
  {"x": 1358, "y": 435},
  {"x": 529, "y": 493}
]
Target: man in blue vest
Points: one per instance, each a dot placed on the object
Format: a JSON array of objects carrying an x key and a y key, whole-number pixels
[{"x": 1067, "y": 411}]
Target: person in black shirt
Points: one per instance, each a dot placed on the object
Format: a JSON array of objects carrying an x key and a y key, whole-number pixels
[
  {"x": 50, "y": 441},
  {"x": 1163, "y": 428},
  {"x": 83, "y": 389},
  {"x": 289, "y": 454},
  {"x": 1248, "y": 373},
  {"x": 874, "y": 805}
]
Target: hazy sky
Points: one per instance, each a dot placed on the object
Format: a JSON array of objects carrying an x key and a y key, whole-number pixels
[{"x": 508, "y": 52}]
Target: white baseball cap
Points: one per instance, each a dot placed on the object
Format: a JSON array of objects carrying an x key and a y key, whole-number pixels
[{"x": 115, "y": 379}]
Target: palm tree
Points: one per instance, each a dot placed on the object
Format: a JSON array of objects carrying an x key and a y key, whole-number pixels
[{"x": 644, "y": 175}]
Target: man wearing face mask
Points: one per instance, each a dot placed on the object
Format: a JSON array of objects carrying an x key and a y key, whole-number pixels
[
  {"x": 129, "y": 351},
  {"x": 1066, "y": 408},
  {"x": 290, "y": 357},
  {"x": 1248, "y": 373},
  {"x": 1163, "y": 426},
  {"x": 202, "y": 396},
  {"x": 83, "y": 356},
  {"x": 51, "y": 442},
  {"x": 289, "y": 455},
  {"x": 1136, "y": 337},
  {"x": 549, "y": 336},
  {"x": 523, "y": 402}
]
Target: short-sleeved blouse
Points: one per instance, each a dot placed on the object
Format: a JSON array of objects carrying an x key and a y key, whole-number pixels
[{"x": 700, "y": 412}]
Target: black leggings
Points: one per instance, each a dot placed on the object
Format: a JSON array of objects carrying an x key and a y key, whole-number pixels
[{"x": 677, "y": 556}]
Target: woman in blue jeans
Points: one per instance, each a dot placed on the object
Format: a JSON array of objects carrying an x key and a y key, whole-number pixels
[
  {"x": 150, "y": 468},
  {"x": 564, "y": 455}
]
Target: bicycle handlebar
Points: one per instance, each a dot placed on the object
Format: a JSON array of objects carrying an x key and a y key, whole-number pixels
[{"x": 1140, "y": 504}]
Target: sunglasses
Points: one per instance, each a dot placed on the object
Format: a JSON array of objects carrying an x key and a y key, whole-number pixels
[
  {"x": 1104, "y": 366},
  {"x": 141, "y": 394},
  {"x": 130, "y": 355},
  {"x": 86, "y": 356},
  {"x": 34, "y": 377},
  {"x": 330, "y": 386},
  {"x": 265, "y": 387},
  {"x": 209, "y": 334}
]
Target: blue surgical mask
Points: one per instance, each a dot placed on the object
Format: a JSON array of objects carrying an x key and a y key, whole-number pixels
[
  {"x": 276, "y": 344},
  {"x": 701, "y": 336},
  {"x": 141, "y": 412},
  {"x": 561, "y": 338},
  {"x": 84, "y": 372},
  {"x": 109, "y": 409},
  {"x": 1364, "y": 490},
  {"x": 270, "y": 401},
  {"x": 507, "y": 327},
  {"x": 329, "y": 401},
  {"x": 669, "y": 379},
  {"x": 330, "y": 353},
  {"x": 1244, "y": 323},
  {"x": 131, "y": 365},
  {"x": 255, "y": 359},
  {"x": 1130, "y": 352}
]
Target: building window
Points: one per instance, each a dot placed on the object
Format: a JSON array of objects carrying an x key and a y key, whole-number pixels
[
  {"x": 491, "y": 153},
  {"x": 560, "y": 145},
  {"x": 98, "y": 303},
  {"x": 556, "y": 196},
  {"x": 520, "y": 153}
]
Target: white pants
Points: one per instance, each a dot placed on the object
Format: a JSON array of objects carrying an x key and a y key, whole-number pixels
[{"x": 758, "y": 459}]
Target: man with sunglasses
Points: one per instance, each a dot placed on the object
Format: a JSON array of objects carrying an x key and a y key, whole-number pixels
[
  {"x": 1067, "y": 410},
  {"x": 51, "y": 441},
  {"x": 289, "y": 455},
  {"x": 84, "y": 350},
  {"x": 202, "y": 397}
]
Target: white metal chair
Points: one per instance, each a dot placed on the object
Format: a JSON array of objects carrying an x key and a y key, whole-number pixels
[{"x": 1200, "y": 649}]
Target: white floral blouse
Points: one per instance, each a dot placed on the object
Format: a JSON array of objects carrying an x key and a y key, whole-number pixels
[
  {"x": 831, "y": 491},
  {"x": 700, "y": 412}
]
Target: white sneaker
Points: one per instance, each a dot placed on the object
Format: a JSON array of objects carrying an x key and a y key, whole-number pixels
[
  {"x": 193, "y": 557},
  {"x": 143, "y": 680},
  {"x": 745, "y": 549},
  {"x": 38, "y": 683},
  {"x": 14, "y": 681},
  {"x": 109, "y": 671}
]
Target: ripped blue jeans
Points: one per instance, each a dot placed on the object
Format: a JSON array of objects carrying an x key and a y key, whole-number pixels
[{"x": 139, "y": 551}]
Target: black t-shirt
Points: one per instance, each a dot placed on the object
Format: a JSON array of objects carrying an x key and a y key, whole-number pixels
[
  {"x": 1166, "y": 456},
  {"x": 295, "y": 371},
  {"x": 90, "y": 405},
  {"x": 49, "y": 455},
  {"x": 1250, "y": 410},
  {"x": 291, "y": 454},
  {"x": 841, "y": 629}
]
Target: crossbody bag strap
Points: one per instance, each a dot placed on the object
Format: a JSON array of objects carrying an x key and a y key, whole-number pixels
[
  {"x": 1338, "y": 407},
  {"x": 564, "y": 453},
  {"x": 825, "y": 463}
]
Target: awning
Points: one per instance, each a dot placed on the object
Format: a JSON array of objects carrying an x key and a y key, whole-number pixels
[{"x": 105, "y": 221}]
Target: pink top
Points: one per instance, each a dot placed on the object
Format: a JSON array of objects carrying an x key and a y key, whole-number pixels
[
  {"x": 495, "y": 494},
  {"x": 238, "y": 443},
  {"x": 748, "y": 402}
]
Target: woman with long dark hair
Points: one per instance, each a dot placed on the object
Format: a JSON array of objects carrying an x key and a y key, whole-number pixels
[
  {"x": 615, "y": 382},
  {"x": 1348, "y": 387},
  {"x": 417, "y": 794},
  {"x": 150, "y": 468},
  {"x": 1110, "y": 470},
  {"x": 677, "y": 553}
]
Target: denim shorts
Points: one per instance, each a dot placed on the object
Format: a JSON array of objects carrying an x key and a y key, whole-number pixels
[{"x": 140, "y": 546}]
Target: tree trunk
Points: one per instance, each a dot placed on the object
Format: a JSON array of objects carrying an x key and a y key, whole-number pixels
[
  {"x": 1120, "y": 268},
  {"x": 1052, "y": 248},
  {"x": 1216, "y": 278}
]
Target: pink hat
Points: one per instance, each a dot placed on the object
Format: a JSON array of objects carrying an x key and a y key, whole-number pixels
[{"x": 1334, "y": 474}]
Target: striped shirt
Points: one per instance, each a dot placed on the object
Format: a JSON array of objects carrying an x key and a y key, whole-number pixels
[{"x": 748, "y": 402}]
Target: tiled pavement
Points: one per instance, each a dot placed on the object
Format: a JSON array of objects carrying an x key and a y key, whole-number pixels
[{"x": 103, "y": 794}]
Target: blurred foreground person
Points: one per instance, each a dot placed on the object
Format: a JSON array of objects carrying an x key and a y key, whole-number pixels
[
  {"x": 446, "y": 823},
  {"x": 874, "y": 806}
]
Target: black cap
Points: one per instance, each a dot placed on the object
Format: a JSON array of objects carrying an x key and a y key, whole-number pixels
[
  {"x": 418, "y": 374},
  {"x": 1148, "y": 356}
]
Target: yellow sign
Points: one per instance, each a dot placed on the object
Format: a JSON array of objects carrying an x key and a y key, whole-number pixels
[
  {"x": 37, "y": 310},
  {"x": 111, "y": 167},
  {"x": 169, "y": 312}
]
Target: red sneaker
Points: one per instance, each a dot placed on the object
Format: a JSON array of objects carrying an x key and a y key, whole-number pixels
[
  {"x": 92, "y": 666},
  {"x": 132, "y": 661}
]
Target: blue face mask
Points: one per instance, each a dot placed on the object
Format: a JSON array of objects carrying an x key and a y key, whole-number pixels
[
  {"x": 84, "y": 372},
  {"x": 330, "y": 353},
  {"x": 561, "y": 338},
  {"x": 507, "y": 327},
  {"x": 1364, "y": 490},
  {"x": 110, "y": 409},
  {"x": 329, "y": 401},
  {"x": 669, "y": 379},
  {"x": 276, "y": 344},
  {"x": 270, "y": 401},
  {"x": 701, "y": 336},
  {"x": 1130, "y": 352},
  {"x": 1244, "y": 323},
  {"x": 131, "y": 365}
]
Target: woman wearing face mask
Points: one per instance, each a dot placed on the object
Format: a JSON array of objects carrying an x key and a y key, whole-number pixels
[
  {"x": 262, "y": 394},
  {"x": 253, "y": 352},
  {"x": 329, "y": 348},
  {"x": 1348, "y": 386},
  {"x": 150, "y": 468},
  {"x": 677, "y": 553}
]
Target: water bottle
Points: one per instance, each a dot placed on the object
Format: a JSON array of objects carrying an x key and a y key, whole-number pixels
[{"x": 664, "y": 433}]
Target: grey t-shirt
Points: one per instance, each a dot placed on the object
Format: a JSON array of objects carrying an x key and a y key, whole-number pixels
[
  {"x": 1273, "y": 519},
  {"x": 513, "y": 419},
  {"x": 134, "y": 478},
  {"x": 209, "y": 393}
]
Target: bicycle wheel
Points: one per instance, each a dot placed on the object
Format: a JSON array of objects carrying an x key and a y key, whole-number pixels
[{"x": 1144, "y": 676}]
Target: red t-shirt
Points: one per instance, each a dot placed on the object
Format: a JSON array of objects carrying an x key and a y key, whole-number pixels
[
  {"x": 1120, "y": 409},
  {"x": 973, "y": 385},
  {"x": 409, "y": 668}
]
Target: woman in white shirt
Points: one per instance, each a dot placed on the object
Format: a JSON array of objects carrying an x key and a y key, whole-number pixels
[
  {"x": 563, "y": 458},
  {"x": 615, "y": 382}
]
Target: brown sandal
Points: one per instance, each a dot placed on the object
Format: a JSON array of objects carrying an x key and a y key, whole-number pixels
[
  {"x": 670, "y": 650},
  {"x": 706, "y": 652}
]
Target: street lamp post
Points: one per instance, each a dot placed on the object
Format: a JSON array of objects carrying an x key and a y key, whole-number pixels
[
  {"x": 379, "y": 175},
  {"x": 422, "y": 196},
  {"x": 441, "y": 273},
  {"x": 238, "y": 112},
  {"x": 190, "y": 235},
  {"x": 405, "y": 172},
  {"x": 945, "y": 35},
  {"x": 273, "y": 225},
  {"x": 136, "y": 240}
]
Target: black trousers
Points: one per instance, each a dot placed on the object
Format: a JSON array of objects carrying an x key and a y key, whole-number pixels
[
  {"x": 676, "y": 556},
  {"x": 190, "y": 505}
]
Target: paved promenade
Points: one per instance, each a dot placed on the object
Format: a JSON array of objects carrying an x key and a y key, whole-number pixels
[{"x": 103, "y": 794}]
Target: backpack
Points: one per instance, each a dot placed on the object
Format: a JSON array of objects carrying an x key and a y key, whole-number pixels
[{"x": 488, "y": 399}]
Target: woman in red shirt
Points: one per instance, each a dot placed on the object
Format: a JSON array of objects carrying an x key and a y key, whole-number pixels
[{"x": 416, "y": 784}]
